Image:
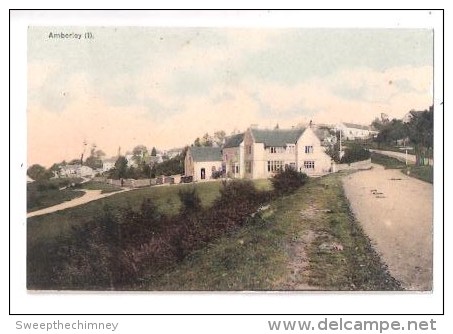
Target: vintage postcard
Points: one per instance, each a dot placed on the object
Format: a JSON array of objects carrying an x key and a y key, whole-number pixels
[{"x": 230, "y": 159}]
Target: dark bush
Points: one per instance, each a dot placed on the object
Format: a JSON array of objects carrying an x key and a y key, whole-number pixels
[
  {"x": 354, "y": 153},
  {"x": 190, "y": 200},
  {"x": 288, "y": 181}
]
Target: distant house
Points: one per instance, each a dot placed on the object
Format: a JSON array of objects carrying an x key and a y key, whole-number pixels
[
  {"x": 202, "y": 162},
  {"x": 108, "y": 164},
  {"x": 76, "y": 171},
  {"x": 352, "y": 131},
  {"x": 267, "y": 152},
  {"x": 233, "y": 156}
]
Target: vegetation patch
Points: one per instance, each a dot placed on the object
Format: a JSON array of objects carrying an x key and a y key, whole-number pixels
[
  {"x": 386, "y": 161},
  {"x": 104, "y": 187},
  {"x": 44, "y": 193},
  {"x": 244, "y": 239},
  {"x": 424, "y": 173}
]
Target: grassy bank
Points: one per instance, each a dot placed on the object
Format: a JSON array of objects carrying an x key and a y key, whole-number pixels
[
  {"x": 42, "y": 194},
  {"x": 424, "y": 173},
  {"x": 308, "y": 240}
]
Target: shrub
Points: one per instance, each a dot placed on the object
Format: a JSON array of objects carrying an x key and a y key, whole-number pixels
[
  {"x": 288, "y": 181},
  {"x": 190, "y": 200},
  {"x": 355, "y": 152}
]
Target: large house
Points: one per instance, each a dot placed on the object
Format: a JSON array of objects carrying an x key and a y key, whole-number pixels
[
  {"x": 202, "y": 162},
  {"x": 270, "y": 151},
  {"x": 352, "y": 131},
  {"x": 260, "y": 153}
]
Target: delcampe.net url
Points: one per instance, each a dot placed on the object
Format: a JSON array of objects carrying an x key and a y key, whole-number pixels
[{"x": 352, "y": 325}]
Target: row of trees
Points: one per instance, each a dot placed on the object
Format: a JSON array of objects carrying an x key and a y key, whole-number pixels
[
  {"x": 418, "y": 132},
  {"x": 144, "y": 169},
  {"x": 207, "y": 140}
]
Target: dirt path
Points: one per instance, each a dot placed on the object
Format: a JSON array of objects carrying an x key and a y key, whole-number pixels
[
  {"x": 396, "y": 212},
  {"x": 90, "y": 195}
]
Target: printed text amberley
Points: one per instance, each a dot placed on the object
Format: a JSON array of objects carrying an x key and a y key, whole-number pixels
[{"x": 62, "y": 35}]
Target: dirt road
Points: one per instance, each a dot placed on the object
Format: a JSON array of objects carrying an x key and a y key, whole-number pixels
[
  {"x": 90, "y": 195},
  {"x": 396, "y": 212}
]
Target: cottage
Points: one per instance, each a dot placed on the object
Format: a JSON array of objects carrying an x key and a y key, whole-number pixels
[{"x": 202, "y": 162}]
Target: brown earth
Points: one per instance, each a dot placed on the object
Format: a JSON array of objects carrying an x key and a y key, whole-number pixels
[{"x": 396, "y": 212}]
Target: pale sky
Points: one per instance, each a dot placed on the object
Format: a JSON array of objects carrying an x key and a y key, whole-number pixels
[{"x": 165, "y": 87}]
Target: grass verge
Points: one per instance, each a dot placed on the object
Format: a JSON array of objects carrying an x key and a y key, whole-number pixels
[{"x": 424, "y": 173}]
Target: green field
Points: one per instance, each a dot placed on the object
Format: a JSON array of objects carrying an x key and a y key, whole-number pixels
[
  {"x": 42, "y": 194},
  {"x": 165, "y": 197}
]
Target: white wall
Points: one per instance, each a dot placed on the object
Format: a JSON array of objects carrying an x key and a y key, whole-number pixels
[
  {"x": 322, "y": 161},
  {"x": 207, "y": 165}
]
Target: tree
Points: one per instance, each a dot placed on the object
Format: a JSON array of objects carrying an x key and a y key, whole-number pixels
[
  {"x": 39, "y": 173},
  {"x": 421, "y": 133},
  {"x": 207, "y": 140},
  {"x": 121, "y": 167},
  {"x": 153, "y": 152},
  {"x": 197, "y": 142},
  {"x": 219, "y": 137},
  {"x": 139, "y": 153}
]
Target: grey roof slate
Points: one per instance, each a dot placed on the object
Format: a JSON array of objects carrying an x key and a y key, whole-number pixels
[
  {"x": 201, "y": 154},
  {"x": 277, "y": 137},
  {"x": 234, "y": 140},
  {"x": 356, "y": 126}
]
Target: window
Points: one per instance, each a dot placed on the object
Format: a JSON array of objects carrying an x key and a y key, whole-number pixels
[
  {"x": 292, "y": 165},
  {"x": 291, "y": 149},
  {"x": 248, "y": 166},
  {"x": 249, "y": 149},
  {"x": 237, "y": 169},
  {"x": 309, "y": 149},
  {"x": 278, "y": 149},
  {"x": 274, "y": 166},
  {"x": 309, "y": 164}
]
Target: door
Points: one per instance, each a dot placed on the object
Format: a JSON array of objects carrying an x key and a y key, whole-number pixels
[{"x": 203, "y": 173}]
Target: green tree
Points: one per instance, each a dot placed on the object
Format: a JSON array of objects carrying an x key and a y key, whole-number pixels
[
  {"x": 139, "y": 153},
  {"x": 421, "y": 133},
  {"x": 219, "y": 137},
  {"x": 153, "y": 152},
  {"x": 121, "y": 167},
  {"x": 39, "y": 173}
]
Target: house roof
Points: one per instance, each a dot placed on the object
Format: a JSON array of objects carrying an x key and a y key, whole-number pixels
[
  {"x": 277, "y": 137},
  {"x": 234, "y": 140},
  {"x": 356, "y": 126},
  {"x": 206, "y": 153}
]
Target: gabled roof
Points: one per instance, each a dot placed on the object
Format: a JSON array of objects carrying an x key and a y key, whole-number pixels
[
  {"x": 206, "y": 153},
  {"x": 356, "y": 126},
  {"x": 234, "y": 140},
  {"x": 277, "y": 137}
]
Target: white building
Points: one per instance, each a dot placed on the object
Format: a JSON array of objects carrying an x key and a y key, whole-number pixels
[
  {"x": 202, "y": 162},
  {"x": 352, "y": 131}
]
